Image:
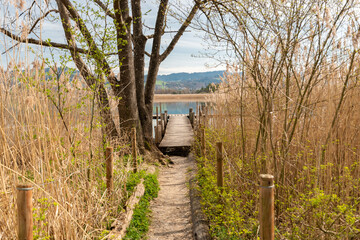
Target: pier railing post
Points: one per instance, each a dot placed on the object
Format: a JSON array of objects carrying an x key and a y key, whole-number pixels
[
  {"x": 156, "y": 135},
  {"x": 109, "y": 169},
  {"x": 162, "y": 124},
  {"x": 157, "y": 116},
  {"x": 191, "y": 117},
  {"x": 159, "y": 132},
  {"x": 166, "y": 117},
  {"x": 267, "y": 207},
  {"x": 219, "y": 169},
  {"x": 24, "y": 209}
]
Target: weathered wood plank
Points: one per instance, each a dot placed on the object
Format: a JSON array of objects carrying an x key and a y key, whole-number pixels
[{"x": 179, "y": 133}]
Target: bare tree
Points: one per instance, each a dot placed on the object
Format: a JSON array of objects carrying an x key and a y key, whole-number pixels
[{"x": 91, "y": 36}]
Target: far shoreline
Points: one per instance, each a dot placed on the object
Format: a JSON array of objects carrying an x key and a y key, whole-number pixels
[{"x": 201, "y": 97}]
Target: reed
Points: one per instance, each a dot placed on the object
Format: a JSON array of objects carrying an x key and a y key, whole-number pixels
[
  {"x": 316, "y": 172},
  {"x": 51, "y": 138}
]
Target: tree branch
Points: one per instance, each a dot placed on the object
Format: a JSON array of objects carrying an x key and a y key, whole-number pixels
[
  {"x": 42, "y": 17},
  {"x": 180, "y": 32},
  {"x": 41, "y": 42},
  {"x": 95, "y": 51},
  {"x": 105, "y": 8}
]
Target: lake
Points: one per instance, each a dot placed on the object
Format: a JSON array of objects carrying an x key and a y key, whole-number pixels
[{"x": 175, "y": 107}]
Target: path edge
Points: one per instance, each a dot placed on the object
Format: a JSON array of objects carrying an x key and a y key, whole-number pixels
[{"x": 199, "y": 221}]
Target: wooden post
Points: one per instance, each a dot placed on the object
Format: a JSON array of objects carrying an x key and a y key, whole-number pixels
[
  {"x": 109, "y": 169},
  {"x": 157, "y": 115},
  {"x": 199, "y": 121},
  {"x": 166, "y": 117},
  {"x": 156, "y": 134},
  {"x": 219, "y": 169},
  {"x": 203, "y": 150},
  {"x": 267, "y": 207},
  {"x": 24, "y": 208},
  {"x": 196, "y": 115},
  {"x": 163, "y": 124},
  {"x": 160, "y": 109},
  {"x": 191, "y": 117},
  {"x": 134, "y": 153}
]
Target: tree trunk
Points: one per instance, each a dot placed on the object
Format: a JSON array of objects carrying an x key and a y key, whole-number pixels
[{"x": 127, "y": 106}]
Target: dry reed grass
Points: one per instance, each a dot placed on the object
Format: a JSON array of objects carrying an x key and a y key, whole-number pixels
[
  {"x": 60, "y": 154},
  {"x": 316, "y": 184}
]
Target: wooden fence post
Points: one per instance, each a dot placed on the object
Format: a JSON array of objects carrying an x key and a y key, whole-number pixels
[
  {"x": 191, "y": 117},
  {"x": 203, "y": 146},
  {"x": 267, "y": 207},
  {"x": 219, "y": 169},
  {"x": 134, "y": 153},
  {"x": 24, "y": 207},
  {"x": 109, "y": 169}
]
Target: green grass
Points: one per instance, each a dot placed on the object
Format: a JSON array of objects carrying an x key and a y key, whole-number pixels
[{"x": 140, "y": 222}]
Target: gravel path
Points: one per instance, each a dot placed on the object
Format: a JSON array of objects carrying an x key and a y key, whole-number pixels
[{"x": 171, "y": 216}]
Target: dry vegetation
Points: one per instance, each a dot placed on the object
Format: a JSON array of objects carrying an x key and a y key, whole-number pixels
[
  {"x": 289, "y": 108},
  {"x": 50, "y": 137},
  {"x": 182, "y": 97},
  {"x": 317, "y": 182}
]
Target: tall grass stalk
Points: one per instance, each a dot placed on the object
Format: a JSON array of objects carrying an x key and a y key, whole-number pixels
[{"x": 47, "y": 134}]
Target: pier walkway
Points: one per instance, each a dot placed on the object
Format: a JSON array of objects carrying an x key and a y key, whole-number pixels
[{"x": 179, "y": 134}]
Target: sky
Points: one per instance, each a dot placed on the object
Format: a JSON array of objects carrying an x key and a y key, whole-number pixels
[{"x": 186, "y": 57}]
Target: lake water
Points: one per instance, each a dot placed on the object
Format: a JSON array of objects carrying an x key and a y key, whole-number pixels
[{"x": 175, "y": 107}]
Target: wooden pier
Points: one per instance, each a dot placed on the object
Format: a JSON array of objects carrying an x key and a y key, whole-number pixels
[{"x": 179, "y": 135}]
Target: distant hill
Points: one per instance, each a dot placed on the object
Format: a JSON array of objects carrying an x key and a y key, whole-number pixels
[
  {"x": 187, "y": 81},
  {"x": 197, "y": 76}
]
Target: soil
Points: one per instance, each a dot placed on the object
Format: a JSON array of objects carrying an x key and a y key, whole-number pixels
[{"x": 171, "y": 214}]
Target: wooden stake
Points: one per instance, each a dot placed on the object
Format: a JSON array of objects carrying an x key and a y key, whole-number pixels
[
  {"x": 267, "y": 207},
  {"x": 134, "y": 153},
  {"x": 24, "y": 207},
  {"x": 219, "y": 169},
  {"x": 109, "y": 169}
]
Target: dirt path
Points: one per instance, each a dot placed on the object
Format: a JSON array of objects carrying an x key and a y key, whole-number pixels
[{"x": 171, "y": 216}]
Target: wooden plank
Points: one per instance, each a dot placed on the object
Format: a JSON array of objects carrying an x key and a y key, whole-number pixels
[{"x": 179, "y": 133}]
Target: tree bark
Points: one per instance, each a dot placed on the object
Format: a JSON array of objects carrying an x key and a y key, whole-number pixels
[
  {"x": 139, "y": 64},
  {"x": 127, "y": 106}
]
